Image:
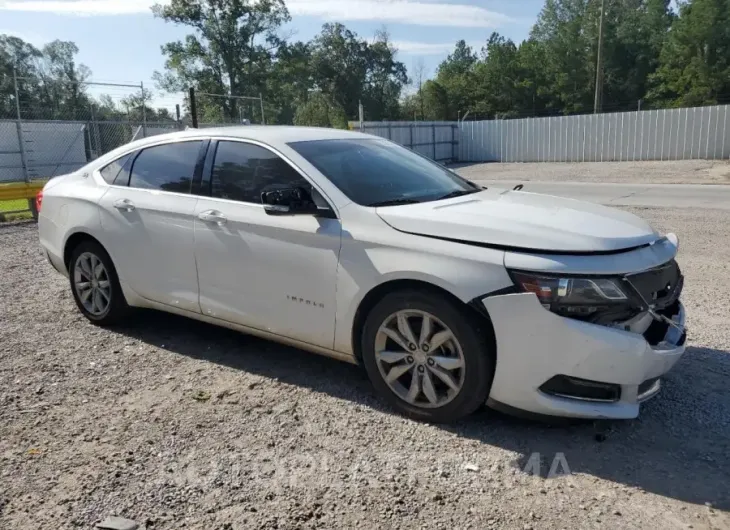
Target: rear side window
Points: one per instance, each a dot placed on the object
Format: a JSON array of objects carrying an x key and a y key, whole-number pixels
[
  {"x": 168, "y": 167},
  {"x": 118, "y": 171}
]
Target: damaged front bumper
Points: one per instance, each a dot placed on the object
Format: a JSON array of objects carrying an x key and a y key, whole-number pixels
[{"x": 557, "y": 366}]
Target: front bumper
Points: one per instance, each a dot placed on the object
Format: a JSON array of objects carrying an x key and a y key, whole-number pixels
[{"x": 534, "y": 345}]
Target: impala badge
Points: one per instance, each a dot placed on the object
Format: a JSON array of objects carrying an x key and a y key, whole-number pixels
[{"x": 304, "y": 301}]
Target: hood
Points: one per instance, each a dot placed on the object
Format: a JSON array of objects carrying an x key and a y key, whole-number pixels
[{"x": 530, "y": 221}]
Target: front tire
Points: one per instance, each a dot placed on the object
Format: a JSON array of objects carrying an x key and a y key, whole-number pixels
[
  {"x": 427, "y": 356},
  {"x": 95, "y": 285}
]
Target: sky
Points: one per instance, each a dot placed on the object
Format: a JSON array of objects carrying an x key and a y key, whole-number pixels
[{"x": 119, "y": 40}]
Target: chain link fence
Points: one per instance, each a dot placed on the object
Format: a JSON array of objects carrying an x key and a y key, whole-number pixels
[
  {"x": 437, "y": 140},
  {"x": 55, "y": 128},
  {"x": 214, "y": 110},
  {"x": 83, "y": 121},
  {"x": 42, "y": 149}
]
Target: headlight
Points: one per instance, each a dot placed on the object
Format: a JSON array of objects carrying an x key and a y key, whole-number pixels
[{"x": 583, "y": 298}]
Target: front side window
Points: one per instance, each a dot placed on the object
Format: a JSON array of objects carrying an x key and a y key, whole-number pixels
[
  {"x": 168, "y": 167},
  {"x": 242, "y": 172},
  {"x": 117, "y": 172},
  {"x": 379, "y": 173}
]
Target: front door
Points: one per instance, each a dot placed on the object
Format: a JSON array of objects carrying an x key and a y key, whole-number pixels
[
  {"x": 273, "y": 273},
  {"x": 147, "y": 217}
]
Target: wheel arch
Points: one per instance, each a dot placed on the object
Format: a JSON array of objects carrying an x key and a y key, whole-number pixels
[
  {"x": 376, "y": 294},
  {"x": 73, "y": 241}
]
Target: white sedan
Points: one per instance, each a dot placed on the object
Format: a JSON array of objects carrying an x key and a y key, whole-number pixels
[{"x": 450, "y": 295}]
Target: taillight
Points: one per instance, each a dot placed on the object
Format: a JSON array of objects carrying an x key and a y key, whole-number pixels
[{"x": 38, "y": 201}]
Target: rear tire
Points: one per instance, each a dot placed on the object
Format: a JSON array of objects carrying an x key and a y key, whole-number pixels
[
  {"x": 95, "y": 285},
  {"x": 427, "y": 356}
]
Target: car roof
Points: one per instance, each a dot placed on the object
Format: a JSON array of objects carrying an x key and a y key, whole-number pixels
[
  {"x": 274, "y": 135},
  {"x": 269, "y": 134}
]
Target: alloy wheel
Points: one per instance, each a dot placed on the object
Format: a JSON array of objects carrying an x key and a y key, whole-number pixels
[
  {"x": 420, "y": 358},
  {"x": 92, "y": 284}
]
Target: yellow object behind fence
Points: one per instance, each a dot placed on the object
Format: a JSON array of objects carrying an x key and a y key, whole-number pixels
[
  {"x": 20, "y": 190},
  {"x": 19, "y": 197}
]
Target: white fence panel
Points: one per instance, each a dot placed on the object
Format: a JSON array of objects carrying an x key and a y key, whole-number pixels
[
  {"x": 51, "y": 148},
  {"x": 666, "y": 134},
  {"x": 11, "y": 166},
  {"x": 437, "y": 140}
]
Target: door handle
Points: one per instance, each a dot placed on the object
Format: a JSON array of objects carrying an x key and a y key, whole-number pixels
[
  {"x": 212, "y": 216},
  {"x": 124, "y": 204}
]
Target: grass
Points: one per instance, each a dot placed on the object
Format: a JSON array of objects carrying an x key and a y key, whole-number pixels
[{"x": 11, "y": 206}]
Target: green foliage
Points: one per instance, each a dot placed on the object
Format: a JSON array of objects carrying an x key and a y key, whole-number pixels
[
  {"x": 455, "y": 82},
  {"x": 695, "y": 58},
  {"x": 321, "y": 111},
  {"x": 230, "y": 51},
  {"x": 236, "y": 48},
  {"x": 50, "y": 83},
  {"x": 554, "y": 70},
  {"x": 350, "y": 70}
]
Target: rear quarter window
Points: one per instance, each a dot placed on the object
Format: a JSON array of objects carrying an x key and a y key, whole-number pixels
[{"x": 117, "y": 172}]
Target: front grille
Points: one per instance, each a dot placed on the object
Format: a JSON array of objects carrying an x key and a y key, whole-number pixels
[{"x": 659, "y": 287}]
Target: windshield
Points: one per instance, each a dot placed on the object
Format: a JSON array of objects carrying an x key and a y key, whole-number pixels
[{"x": 379, "y": 173}]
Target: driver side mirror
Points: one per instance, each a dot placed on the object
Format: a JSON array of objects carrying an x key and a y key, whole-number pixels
[{"x": 289, "y": 201}]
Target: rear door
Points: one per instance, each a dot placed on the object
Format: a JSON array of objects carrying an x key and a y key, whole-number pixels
[
  {"x": 147, "y": 216},
  {"x": 276, "y": 273}
]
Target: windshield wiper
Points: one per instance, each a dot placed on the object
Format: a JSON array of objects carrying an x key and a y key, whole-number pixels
[
  {"x": 394, "y": 202},
  {"x": 457, "y": 193}
]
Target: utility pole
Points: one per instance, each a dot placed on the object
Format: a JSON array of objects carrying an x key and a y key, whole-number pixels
[
  {"x": 19, "y": 129},
  {"x": 599, "y": 64},
  {"x": 144, "y": 110},
  {"x": 193, "y": 108}
]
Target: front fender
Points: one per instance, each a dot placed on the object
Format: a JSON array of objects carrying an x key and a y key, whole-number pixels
[{"x": 466, "y": 273}]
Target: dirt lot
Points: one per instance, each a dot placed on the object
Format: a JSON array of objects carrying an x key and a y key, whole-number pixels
[
  {"x": 675, "y": 172},
  {"x": 96, "y": 422}
]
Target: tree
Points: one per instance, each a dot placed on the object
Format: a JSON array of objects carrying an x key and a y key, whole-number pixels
[
  {"x": 456, "y": 76},
  {"x": 634, "y": 30},
  {"x": 384, "y": 79},
  {"x": 62, "y": 89},
  {"x": 50, "y": 82},
  {"x": 134, "y": 103},
  {"x": 418, "y": 78},
  {"x": 349, "y": 70},
  {"x": 695, "y": 58},
  {"x": 230, "y": 51},
  {"x": 339, "y": 65},
  {"x": 436, "y": 101},
  {"x": 565, "y": 31},
  {"x": 410, "y": 108},
  {"x": 289, "y": 82},
  {"x": 498, "y": 77},
  {"x": 321, "y": 111},
  {"x": 19, "y": 56}
]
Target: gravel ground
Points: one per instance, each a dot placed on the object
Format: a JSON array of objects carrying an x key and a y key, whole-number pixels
[
  {"x": 177, "y": 424},
  {"x": 674, "y": 172}
]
